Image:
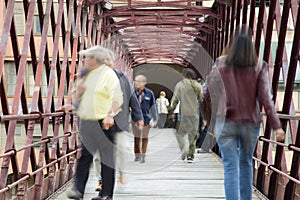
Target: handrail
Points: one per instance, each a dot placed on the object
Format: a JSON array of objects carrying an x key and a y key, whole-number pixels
[
  {"x": 284, "y": 174},
  {"x": 271, "y": 167},
  {"x": 27, "y": 176},
  {"x": 34, "y": 116},
  {"x": 262, "y": 138}
]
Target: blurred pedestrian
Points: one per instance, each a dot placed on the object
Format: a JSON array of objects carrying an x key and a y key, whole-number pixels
[
  {"x": 130, "y": 108},
  {"x": 239, "y": 83},
  {"x": 188, "y": 93},
  {"x": 131, "y": 112},
  {"x": 148, "y": 105},
  {"x": 202, "y": 143},
  {"x": 162, "y": 107},
  {"x": 100, "y": 100}
]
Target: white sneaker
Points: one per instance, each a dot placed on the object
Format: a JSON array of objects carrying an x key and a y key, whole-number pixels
[
  {"x": 197, "y": 150},
  {"x": 190, "y": 160}
]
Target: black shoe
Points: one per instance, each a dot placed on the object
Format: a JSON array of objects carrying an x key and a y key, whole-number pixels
[
  {"x": 74, "y": 194},
  {"x": 102, "y": 198},
  {"x": 99, "y": 187},
  {"x": 190, "y": 159},
  {"x": 137, "y": 159},
  {"x": 142, "y": 160}
]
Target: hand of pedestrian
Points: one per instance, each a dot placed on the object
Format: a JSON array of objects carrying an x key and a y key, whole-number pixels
[
  {"x": 107, "y": 122},
  {"x": 280, "y": 135},
  {"x": 68, "y": 107},
  {"x": 140, "y": 123},
  {"x": 154, "y": 123},
  {"x": 204, "y": 123}
]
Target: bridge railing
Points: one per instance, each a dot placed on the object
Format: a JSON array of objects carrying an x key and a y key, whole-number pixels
[
  {"x": 276, "y": 165},
  {"x": 39, "y": 44},
  {"x": 38, "y": 62},
  {"x": 38, "y": 168},
  {"x": 276, "y": 31}
]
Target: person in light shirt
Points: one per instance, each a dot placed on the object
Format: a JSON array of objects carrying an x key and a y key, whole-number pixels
[
  {"x": 162, "y": 107},
  {"x": 99, "y": 97}
]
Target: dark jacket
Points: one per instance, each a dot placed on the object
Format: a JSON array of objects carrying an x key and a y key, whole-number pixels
[
  {"x": 130, "y": 104},
  {"x": 240, "y": 92},
  {"x": 148, "y": 106}
]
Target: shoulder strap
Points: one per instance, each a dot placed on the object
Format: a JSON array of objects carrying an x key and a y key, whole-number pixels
[{"x": 195, "y": 90}]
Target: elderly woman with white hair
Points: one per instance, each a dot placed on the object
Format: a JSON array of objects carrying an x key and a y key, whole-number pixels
[{"x": 162, "y": 104}]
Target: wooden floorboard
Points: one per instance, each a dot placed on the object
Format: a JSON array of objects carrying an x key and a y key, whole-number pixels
[{"x": 164, "y": 175}]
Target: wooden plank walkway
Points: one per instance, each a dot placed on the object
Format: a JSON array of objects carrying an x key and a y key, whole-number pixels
[{"x": 164, "y": 175}]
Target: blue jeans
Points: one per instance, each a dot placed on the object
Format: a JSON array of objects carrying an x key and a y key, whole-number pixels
[{"x": 237, "y": 143}]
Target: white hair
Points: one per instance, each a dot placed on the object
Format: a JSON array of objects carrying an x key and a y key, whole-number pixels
[{"x": 102, "y": 54}]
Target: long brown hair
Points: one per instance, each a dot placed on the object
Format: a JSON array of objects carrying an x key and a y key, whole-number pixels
[{"x": 242, "y": 52}]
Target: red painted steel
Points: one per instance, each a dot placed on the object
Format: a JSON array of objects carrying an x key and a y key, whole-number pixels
[
  {"x": 36, "y": 100},
  {"x": 176, "y": 16},
  {"x": 37, "y": 97},
  {"x": 130, "y": 28}
]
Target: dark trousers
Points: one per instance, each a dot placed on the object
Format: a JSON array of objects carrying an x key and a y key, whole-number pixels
[
  {"x": 162, "y": 120},
  {"x": 138, "y": 151},
  {"x": 102, "y": 141},
  {"x": 83, "y": 169},
  {"x": 203, "y": 141},
  {"x": 140, "y": 140}
]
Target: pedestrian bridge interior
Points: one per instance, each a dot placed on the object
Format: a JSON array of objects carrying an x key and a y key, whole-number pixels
[{"x": 39, "y": 45}]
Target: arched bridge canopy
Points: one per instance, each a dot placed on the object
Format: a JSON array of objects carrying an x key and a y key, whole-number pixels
[
  {"x": 39, "y": 45},
  {"x": 158, "y": 31}
]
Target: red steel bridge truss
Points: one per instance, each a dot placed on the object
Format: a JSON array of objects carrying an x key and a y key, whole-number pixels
[{"x": 39, "y": 45}]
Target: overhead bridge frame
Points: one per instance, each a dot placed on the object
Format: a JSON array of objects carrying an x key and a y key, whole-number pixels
[{"x": 39, "y": 60}]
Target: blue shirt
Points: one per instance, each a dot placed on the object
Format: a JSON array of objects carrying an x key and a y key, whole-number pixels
[{"x": 148, "y": 105}]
